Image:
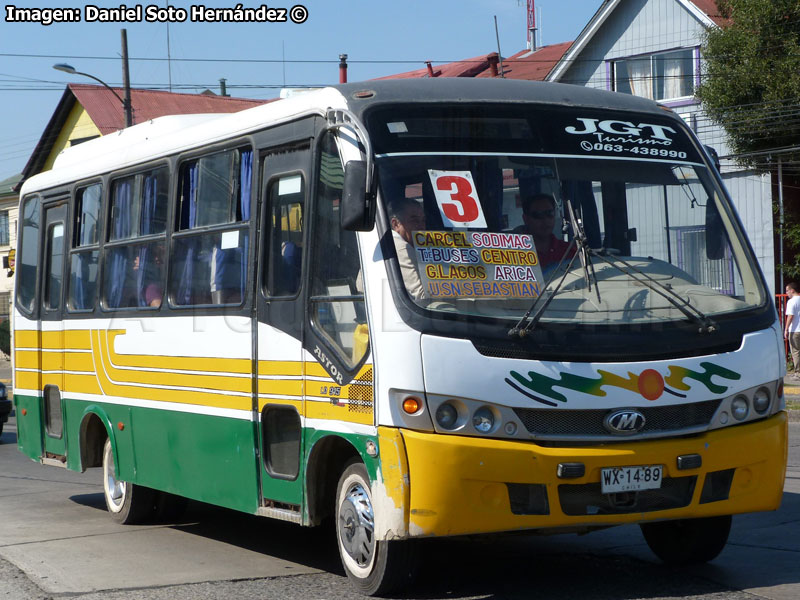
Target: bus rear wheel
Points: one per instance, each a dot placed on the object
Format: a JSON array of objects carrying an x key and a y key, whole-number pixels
[
  {"x": 127, "y": 503},
  {"x": 688, "y": 541},
  {"x": 373, "y": 566}
]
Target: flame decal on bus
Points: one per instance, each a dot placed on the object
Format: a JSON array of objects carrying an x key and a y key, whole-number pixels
[{"x": 650, "y": 384}]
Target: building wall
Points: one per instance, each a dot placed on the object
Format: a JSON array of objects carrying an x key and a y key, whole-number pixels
[
  {"x": 637, "y": 27},
  {"x": 78, "y": 125},
  {"x": 11, "y": 205}
]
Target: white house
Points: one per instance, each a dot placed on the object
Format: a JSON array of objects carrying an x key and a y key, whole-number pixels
[{"x": 651, "y": 48}]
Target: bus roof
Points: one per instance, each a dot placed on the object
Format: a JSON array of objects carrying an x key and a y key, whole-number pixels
[
  {"x": 172, "y": 134},
  {"x": 469, "y": 89},
  {"x": 168, "y": 135}
]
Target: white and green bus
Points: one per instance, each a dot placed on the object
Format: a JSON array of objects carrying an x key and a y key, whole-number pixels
[{"x": 221, "y": 308}]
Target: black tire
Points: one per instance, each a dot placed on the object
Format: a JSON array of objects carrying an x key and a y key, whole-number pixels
[
  {"x": 374, "y": 567},
  {"x": 127, "y": 503},
  {"x": 688, "y": 541},
  {"x": 169, "y": 507}
]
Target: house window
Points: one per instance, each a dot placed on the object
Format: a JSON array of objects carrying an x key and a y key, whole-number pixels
[
  {"x": 5, "y": 305},
  {"x": 662, "y": 76},
  {"x": 4, "y": 239}
]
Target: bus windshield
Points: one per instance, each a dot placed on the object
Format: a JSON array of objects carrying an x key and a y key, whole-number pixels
[{"x": 589, "y": 216}]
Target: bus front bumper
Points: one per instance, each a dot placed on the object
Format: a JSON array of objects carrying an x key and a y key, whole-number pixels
[{"x": 466, "y": 485}]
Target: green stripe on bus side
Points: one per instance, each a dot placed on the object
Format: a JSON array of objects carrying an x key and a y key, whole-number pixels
[
  {"x": 207, "y": 458},
  {"x": 28, "y": 411},
  {"x": 203, "y": 457}
]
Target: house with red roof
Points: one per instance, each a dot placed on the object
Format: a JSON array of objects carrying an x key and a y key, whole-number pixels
[
  {"x": 527, "y": 64},
  {"x": 85, "y": 112}
]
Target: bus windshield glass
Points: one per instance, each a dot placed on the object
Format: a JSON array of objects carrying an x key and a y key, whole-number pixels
[{"x": 594, "y": 216}]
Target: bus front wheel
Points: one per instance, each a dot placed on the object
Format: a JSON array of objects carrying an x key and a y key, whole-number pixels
[
  {"x": 373, "y": 566},
  {"x": 687, "y": 541},
  {"x": 127, "y": 503}
]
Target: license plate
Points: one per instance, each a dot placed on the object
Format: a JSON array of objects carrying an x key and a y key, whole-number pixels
[{"x": 628, "y": 479}]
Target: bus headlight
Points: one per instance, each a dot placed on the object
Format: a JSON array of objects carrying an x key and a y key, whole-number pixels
[
  {"x": 446, "y": 416},
  {"x": 761, "y": 400},
  {"x": 740, "y": 408},
  {"x": 483, "y": 420}
]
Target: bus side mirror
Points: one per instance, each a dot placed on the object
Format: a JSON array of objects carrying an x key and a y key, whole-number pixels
[
  {"x": 716, "y": 240},
  {"x": 714, "y": 156},
  {"x": 715, "y": 232},
  {"x": 357, "y": 209}
]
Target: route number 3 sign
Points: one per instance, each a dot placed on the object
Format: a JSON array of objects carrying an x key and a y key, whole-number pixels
[{"x": 457, "y": 199}]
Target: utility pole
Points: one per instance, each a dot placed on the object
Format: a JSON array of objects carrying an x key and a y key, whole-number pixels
[
  {"x": 531, "y": 13},
  {"x": 781, "y": 223},
  {"x": 126, "y": 81},
  {"x": 499, "y": 55}
]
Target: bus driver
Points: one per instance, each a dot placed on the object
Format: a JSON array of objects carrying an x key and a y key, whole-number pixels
[{"x": 539, "y": 215}]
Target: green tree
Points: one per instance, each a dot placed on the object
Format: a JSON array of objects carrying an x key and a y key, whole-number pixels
[
  {"x": 751, "y": 82},
  {"x": 751, "y": 86}
]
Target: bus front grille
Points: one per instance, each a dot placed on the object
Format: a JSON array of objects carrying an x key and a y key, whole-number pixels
[{"x": 588, "y": 424}]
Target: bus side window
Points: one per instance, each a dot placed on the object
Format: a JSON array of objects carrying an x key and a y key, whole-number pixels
[
  {"x": 211, "y": 243},
  {"x": 55, "y": 262},
  {"x": 285, "y": 218},
  {"x": 133, "y": 273},
  {"x": 337, "y": 296},
  {"x": 83, "y": 263},
  {"x": 28, "y": 255}
]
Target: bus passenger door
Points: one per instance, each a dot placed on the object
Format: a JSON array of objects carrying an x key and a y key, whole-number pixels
[
  {"x": 280, "y": 406},
  {"x": 52, "y": 345}
]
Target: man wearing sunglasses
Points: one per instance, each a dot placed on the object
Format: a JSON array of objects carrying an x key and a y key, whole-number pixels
[{"x": 539, "y": 215}]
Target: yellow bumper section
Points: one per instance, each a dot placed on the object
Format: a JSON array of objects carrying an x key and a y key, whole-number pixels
[{"x": 459, "y": 485}]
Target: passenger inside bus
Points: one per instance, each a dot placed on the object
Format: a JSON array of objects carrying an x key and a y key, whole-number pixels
[
  {"x": 152, "y": 276},
  {"x": 408, "y": 216},
  {"x": 539, "y": 216}
]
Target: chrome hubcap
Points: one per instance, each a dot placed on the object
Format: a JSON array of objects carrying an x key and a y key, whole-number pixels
[
  {"x": 114, "y": 488},
  {"x": 357, "y": 525}
]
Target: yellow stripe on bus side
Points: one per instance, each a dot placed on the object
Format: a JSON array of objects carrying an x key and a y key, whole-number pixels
[
  {"x": 126, "y": 390},
  {"x": 315, "y": 370},
  {"x": 27, "y": 339},
  {"x": 281, "y": 387},
  {"x": 28, "y": 380},
  {"x": 26, "y": 359},
  {"x": 262, "y": 402},
  {"x": 82, "y": 384},
  {"x": 221, "y": 383},
  {"x": 332, "y": 412},
  {"x": 280, "y": 367},
  {"x": 234, "y": 366},
  {"x": 78, "y": 339},
  {"x": 52, "y": 361},
  {"x": 78, "y": 361}
]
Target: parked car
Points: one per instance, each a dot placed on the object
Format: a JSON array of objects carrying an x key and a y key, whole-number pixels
[{"x": 5, "y": 406}]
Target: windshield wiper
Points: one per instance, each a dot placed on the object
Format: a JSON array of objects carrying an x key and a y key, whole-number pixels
[
  {"x": 579, "y": 235},
  {"x": 579, "y": 241},
  {"x": 694, "y": 314},
  {"x": 520, "y": 329}
]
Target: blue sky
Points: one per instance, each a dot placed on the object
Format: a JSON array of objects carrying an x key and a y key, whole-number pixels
[{"x": 379, "y": 37}]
